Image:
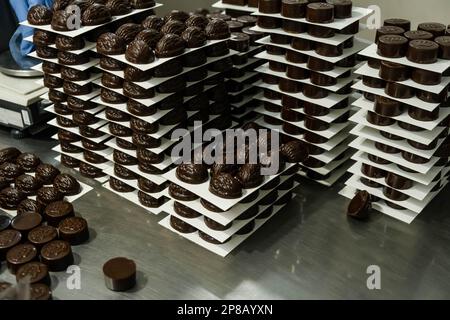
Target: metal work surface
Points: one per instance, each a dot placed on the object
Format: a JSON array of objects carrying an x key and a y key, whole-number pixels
[{"x": 309, "y": 251}]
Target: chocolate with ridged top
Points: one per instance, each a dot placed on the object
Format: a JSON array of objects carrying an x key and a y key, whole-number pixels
[
  {"x": 147, "y": 156},
  {"x": 150, "y": 37},
  {"x": 179, "y": 193},
  {"x": 185, "y": 211},
  {"x": 120, "y": 186},
  {"x": 111, "y": 64},
  {"x": 217, "y": 30},
  {"x": 392, "y": 46},
  {"x": 418, "y": 35},
  {"x": 46, "y": 173},
  {"x": 388, "y": 30},
  {"x": 60, "y": 20},
  {"x": 192, "y": 173},
  {"x": 27, "y": 184},
  {"x": 136, "y": 75},
  {"x": 76, "y": 104},
  {"x": 74, "y": 89},
  {"x": 293, "y": 8},
  {"x": 294, "y": 151},
  {"x": 398, "y": 22},
  {"x": 177, "y": 15},
  {"x": 71, "y": 74},
  {"x": 57, "y": 96},
  {"x": 39, "y": 15},
  {"x": 153, "y": 22},
  {"x": 46, "y": 52},
  {"x": 43, "y": 38},
  {"x": 68, "y": 58},
  {"x": 116, "y": 115},
  {"x": 9, "y": 155},
  {"x": 90, "y": 171},
  {"x": 28, "y": 161},
  {"x": 60, "y": 4},
  {"x": 320, "y": 12},
  {"x": 10, "y": 171},
  {"x": 437, "y": 29},
  {"x": 390, "y": 71},
  {"x": 110, "y": 80},
  {"x": 138, "y": 109},
  {"x": 197, "y": 20},
  {"x": 145, "y": 141},
  {"x": 138, "y": 52},
  {"x": 423, "y": 51},
  {"x": 149, "y": 186},
  {"x": 67, "y": 185},
  {"x": 249, "y": 176},
  {"x": 110, "y": 44},
  {"x": 118, "y": 7},
  {"x": 69, "y": 43},
  {"x": 173, "y": 27},
  {"x": 149, "y": 201},
  {"x": 194, "y": 37},
  {"x": 11, "y": 197},
  {"x": 124, "y": 159},
  {"x": 110, "y": 96},
  {"x": 142, "y": 4},
  {"x": 181, "y": 226},
  {"x": 95, "y": 14},
  {"x": 135, "y": 91},
  {"x": 128, "y": 31},
  {"x": 444, "y": 47},
  {"x": 119, "y": 130},
  {"x": 170, "y": 45},
  {"x": 142, "y": 126},
  {"x": 52, "y": 82},
  {"x": 224, "y": 185}
]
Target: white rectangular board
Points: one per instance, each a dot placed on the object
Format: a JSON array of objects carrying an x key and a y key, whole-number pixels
[{"x": 221, "y": 5}]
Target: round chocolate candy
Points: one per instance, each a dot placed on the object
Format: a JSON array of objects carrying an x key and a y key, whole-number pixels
[
  {"x": 42, "y": 235},
  {"x": 444, "y": 47},
  {"x": 26, "y": 222},
  {"x": 392, "y": 46},
  {"x": 373, "y": 63},
  {"x": 388, "y": 31},
  {"x": 317, "y": 64},
  {"x": 57, "y": 255},
  {"x": 20, "y": 255},
  {"x": 370, "y": 183},
  {"x": 423, "y": 51},
  {"x": 293, "y": 8},
  {"x": 314, "y": 92},
  {"x": 386, "y": 148},
  {"x": 373, "y": 82},
  {"x": 418, "y": 35},
  {"x": 423, "y": 115},
  {"x": 433, "y": 97},
  {"x": 33, "y": 273},
  {"x": 409, "y": 127},
  {"x": 399, "y": 91},
  {"x": 394, "y": 195},
  {"x": 328, "y": 50},
  {"x": 314, "y": 110},
  {"x": 290, "y": 86},
  {"x": 437, "y": 29},
  {"x": 422, "y": 146},
  {"x": 398, "y": 182},
  {"x": 378, "y": 160},
  {"x": 393, "y": 72},
  {"x": 74, "y": 230},
  {"x": 293, "y": 26},
  {"x": 302, "y": 44},
  {"x": 239, "y": 42},
  {"x": 269, "y": 6},
  {"x": 426, "y": 77},
  {"x": 372, "y": 172},
  {"x": 320, "y": 12},
  {"x": 316, "y": 124},
  {"x": 387, "y": 107},
  {"x": 359, "y": 207},
  {"x": 296, "y": 57},
  {"x": 378, "y": 120},
  {"x": 120, "y": 274},
  {"x": 398, "y": 22},
  {"x": 414, "y": 158},
  {"x": 320, "y": 32}
]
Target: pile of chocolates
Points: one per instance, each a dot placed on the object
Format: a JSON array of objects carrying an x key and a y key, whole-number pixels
[
  {"x": 219, "y": 205},
  {"x": 160, "y": 75},
  {"x": 308, "y": 79},
  {"x": 38, "y": 239},
  {"x": 403, "y": 157}
]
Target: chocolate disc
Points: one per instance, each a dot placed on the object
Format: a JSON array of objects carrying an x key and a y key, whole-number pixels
[{"x": 120, "y": 274}]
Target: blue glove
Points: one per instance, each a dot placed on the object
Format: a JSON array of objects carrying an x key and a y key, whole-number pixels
[{"x": 18, "y": 47}]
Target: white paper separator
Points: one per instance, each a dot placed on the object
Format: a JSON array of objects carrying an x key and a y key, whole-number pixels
[
  {"x": 332, "y": 179},
  {"x": 328, "y": 102},
  {"x": 156, "y": 178},
  {"x": 250, "y": 51},
  {"x": 221, "y": 236},
  {"x": 245, "y": 100},
  {"x": 248, "y": 75},
  {"x": 365, "y": 70},
  {"x": 335, "y": 40},
  {"x": 133, "y": 198},
  {"x": 221, "y": 5},
  {"x": 329, "y": 145},
  {"x": 414, "y": 101},
  {"x": 134, "y": 183},
  {"x": 439, "y": 67},
  {"x": 81, "y": 67},
  {"x": 368, "y": 146},
  {"x": 330, "y": 117},
  {"x": 331, "y": 166},
  {"x": 425, "y": 179},
  {"x": 418, "y": 191},
  {"x": 251, "y": 61},
  {"x": 406, "y": 216},
  {"x": 375, "y": 135},
  {"x": 365, "y": 104},
  {"x": 76, "y": 130},
  {"x": 84, "y": 29},
  {"x": 243, "y": 114},
  {"x": 410, "y": 204},
  {"x": 99, "y": 180},
  {"x": 335, "y": 128},
  {"x": 358, "y": 45},
  {"x": 335, "y": 73},
  {"x": 159, "y": 61},
  {"x": 358, "y": 13},
  {"x": 221, "y": 249},
  {"x": 202, "y": 189},
  {"x": 341, "y": 82},
  {"x": 424, "y": 137}
]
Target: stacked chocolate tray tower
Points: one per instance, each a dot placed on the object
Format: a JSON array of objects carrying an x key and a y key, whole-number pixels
[
  {"x": 242, "y": 76},
  {"x": 403, "y": 121},
  {"x": 159, "y": 76},
  {"x": 69, "y": 72},
  {"x": 310, "y": 52},
  {"x": 219, "y": 206}
]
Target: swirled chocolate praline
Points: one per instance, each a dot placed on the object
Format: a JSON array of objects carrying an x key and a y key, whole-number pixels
[
  {"x": 76, "y": 104},
  {"x": 72, "y": 88},
  {"x": 84, "y": 118},
  {"x": 224, "y": 185},
  {"x": 71, "y": 74},
  {"x": 50, "y": 67},
  {"x": 142, "y": 4},
  {"x": 153, "y": 22},
  {"x": 110, "y": 80},
  {"x": 142, "y": 126},
  {"x": 72, "y": 59},
  {"x": 27, "y": 184},
  {"x": 177, "y": 15},
  {"x": 60, "y": 4},
  {"x": 56, "y": 96},
  {"x": 217, "y": 30},
  {"x": 128, "y": 31},
  {"x": 28, "y": 161},
  {"x": 95, "y": 14},
  {"x": 9, "y": 154},
  {"x": 138, "y": 52},
  {"x": 69, "y": 43},
  {"x": 197, "y": 20},
  {"x": 135, "y": 91},
  {"x": 60, "y": 20},
  {"x": 192, "y": 173},
  {"x": 173, "y": 26},
  {"x": 39, "y": 15},
  {"x": 111, "y": 64},
  {"x": 43, "y": 38},
  {"x": 145, "y": 141},
  {"x": 134, "y": 74},
  {"x": 46, "y": 52},
  {"x": 194, "y": 37},
  {"x": 110, "y": 44},
  {"x": 170, "y": 45},
  {"x": 90, "y": 171},
  {"x": 249, "y": 176},
  {"x": 179, "y": 193},
  {"x": 118, "y": 7},
  {"x": 110, "y": 96},
  {"x": 149, "y": 157},
  {"x": 150, "y": 37},
  {"x": 294, "y": 151},
  {"x": 52, "y": 81}
]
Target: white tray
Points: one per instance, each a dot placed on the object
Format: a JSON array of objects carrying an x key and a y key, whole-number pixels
[{"x": 221, "y": 5}]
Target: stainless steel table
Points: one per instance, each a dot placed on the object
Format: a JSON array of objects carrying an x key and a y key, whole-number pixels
[{"x": 309, "y": 251}]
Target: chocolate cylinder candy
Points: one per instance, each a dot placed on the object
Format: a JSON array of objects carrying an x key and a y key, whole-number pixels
[
  {"x": 320, "y": 12},
  {"x": 42, "y": 235},
  {"x": 33, "y": 273},
  {"x": 399, "y": 91},
  {"x": 372, "y": 172},
  {"x": 280, "y": 38},
  {"x": 57, "y": 255},
  {"x": 297, "y": 73},
  {"x": 314, "y": 92},
  {"x": 290, "y": 102},
  {"x": 386, "y": 148},
  {"x": 387, "y": 107},
  {"x": 277, "y": 66},
  {"x": 290, "y": 115},
  {"x": 270, "y": 79},
  {"x": 254, "y": 35},
  {"x": 329, "y": 50},
  {"x": 120, "y": 274},
  {"x": 393, "y": 72},
  {"x": 314, "y": 138},
  {"x": 253, "y": 3},
  {"x": 374, "y": 63},
  {"x": 444, "y": 47},
  {"x": 314, "y": 110},
  {"x": 433, "y": 97},
  {"x": 26, "y": 222},
  {"x": 319, "y": 64},
  {"x": 295, "y": 57},
  {"x": 418, "y": 35},
  {"x": 320, "y": 79},
  {"x": 74, "y": 230},
  {"x": 392, "y": 46},
  {"x": 8, "y": 239},
  {"x": 378, "y": 120},
  {"x": 398, "y": 182},
  {"x": 269, "y": 6},
  {"x": 293, "y": 26},
  {"x": 271, "y": 107},
  {"x": 291, "y": 129},
  {"x": 235, "y": 26},
  {"x": 302, "y": 44},
  {"x": 394, "y": 194},
  {"x": 378, "y": 160},
  {"x": 397, "y": 22},
  {"x": 370, "y": 183},
  {"x": 423, "y": 51},
  {"x": 388, "y": 30},
  {"x": 423, "y": 115},
  {"x": 421, "y": 146},
  {"x": 409, "y": 127},
  {"x": 239, "y": 42},
  {"x": 272, "y": 95},
  {"x": 268, "y": 22},
  {"x": 414, "y": 158},
  {"x": 320, "y": 32},
  {"x": 373, "y": 82},
  {"x": 247, "y": 20},
  {"x": 342, "y": 8},
  {"x": 426, "y": 77},
  {"x": 351, "y": 29},
  {"x": 437, "y": 29},
  {"x": 316, "y": 124},
  {"x": 293, "y": 8},
  {"x": 20, "y": 255}
]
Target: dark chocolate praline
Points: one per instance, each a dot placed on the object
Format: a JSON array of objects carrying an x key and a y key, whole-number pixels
[{"x": 96, "y": 14}]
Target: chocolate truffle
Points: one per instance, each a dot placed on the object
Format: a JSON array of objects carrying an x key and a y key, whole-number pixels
[
  {"x": 197, "y": 20},
  {"x": 153, "y": 22},
  {"x": 173, "y": 27},
  {"x": 320, "y": 12},
  {"x": 138, "y": 52},
  {"x": 120, "y": 186},
  {"x": 170, "y": 45},
  {"x": 57, "y": 255},
  {"x": 194, "y": 37},
  {"x": 192, "y": 173},
  {"x": 185, "y": 211},
  {"x": 27, "y": 184},
  {"x": 110, "y": 80},
  {"x": 142, "y": 4},
  {"x": 95, "y": 14},
  {"x": 47, "y": 195},
  {"x": 8, "y": 155},
  {"x": 444, "y": 47},
  {"x": 28, "y": 161},
  {"x": 181, "y": 194},
  {"x": 68, "y": 43},
  {"x": 56, "y": 96},
  {"x": 225, "y": 186},
  {"x": 10, "y": 198},
  {"x": 360, "y": 206},
  {"x": 46, "y": 173},
  {"x": 111, "y": 64},
  {"x": 39, "y": 15},
  {"x": 150, "y": 37},
  {"x": 118, "y": 7},
  {"x": 217, "y": 30},
  {"x": 249, "y": 176},
  {"x": 10, "y": 171},
  {"x": 120, "y": 274},
  {"x": 71, "y": 74},
  {"x": 392, "y": 46},
  {"x": 423, "y": 51},
  {"x": 110, "y": 44},
  {"x": 71, "y": 59},
  {"x": 128, "y": 31},
  {"x": 43, "y": 38}
]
